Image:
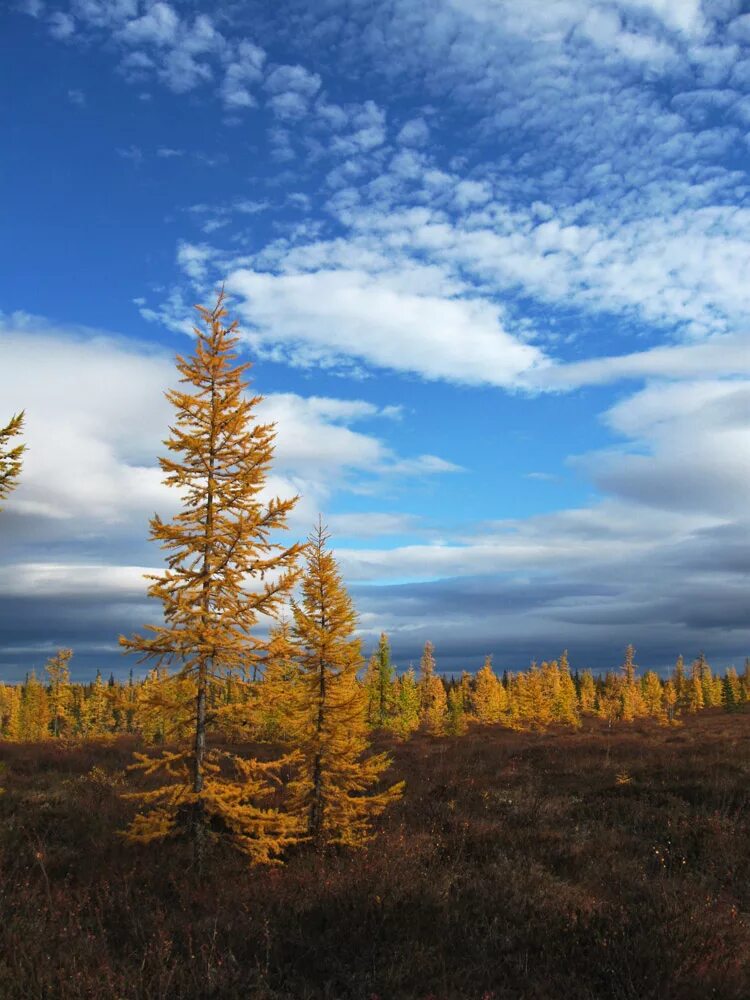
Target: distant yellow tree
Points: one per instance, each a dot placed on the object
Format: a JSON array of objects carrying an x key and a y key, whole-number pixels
[
  {"x": 632, "y": 700},
  {"x": 745, "y": 681},
  {"x": 60, "y": 694},
  {"x": 433, "y": 698},
  {"x": 34, "y": 717},
  {"x": 224, "y": 571},
  {"x": 680, "y": 682},
  {"x": 490, "y": 700},
  {"x": 587, "y": 693},
  {"x": 10, "y": 711},
  {"x": 651, "y": 690},
  {"x": 539, "y": 696},
  {"x": 670, "y": 702},
  {"x": 610, "y": 698},
  {"x": 10, "y": 457},
  {"x": 164, "y": 706},
  {"x": 456, "y": 718},
  {"x": 333, "y": 796},
  {"x": 97, "y": 708},
  {"x": 565, "y": 701},
  {"x": 695, "y": 695}
]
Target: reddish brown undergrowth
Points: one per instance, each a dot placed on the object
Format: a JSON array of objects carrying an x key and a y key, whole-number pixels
[{"x": 598, "y": 864}]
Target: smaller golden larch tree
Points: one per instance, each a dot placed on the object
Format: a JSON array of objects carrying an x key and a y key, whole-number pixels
[{"x": 334, "y": 795}]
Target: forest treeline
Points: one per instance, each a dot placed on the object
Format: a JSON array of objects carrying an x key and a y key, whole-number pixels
[
  {"x": 159, "y": 708},
  {"x": 303, "y": 686}
]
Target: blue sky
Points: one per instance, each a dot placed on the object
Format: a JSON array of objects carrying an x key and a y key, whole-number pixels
[{"x": 490, "y": 261}]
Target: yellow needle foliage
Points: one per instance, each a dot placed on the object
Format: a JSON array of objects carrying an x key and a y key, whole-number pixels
[
  {"x": 10, "y": 457},
  {"x": 60, "y": 693},
  {"x": 333, "y": 796},
  {"x": 224, "y": 570},
  {"x": 490, "y": 700},
  {"x": 434, "y": 700}
]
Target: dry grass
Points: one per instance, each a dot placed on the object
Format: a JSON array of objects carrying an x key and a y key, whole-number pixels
[{"x": 519, "y": 865}]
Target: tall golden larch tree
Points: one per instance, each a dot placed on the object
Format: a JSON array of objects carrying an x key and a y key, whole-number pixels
[
  {"x": 224, "y": 570},
  {"x": 334, "y": 796}
]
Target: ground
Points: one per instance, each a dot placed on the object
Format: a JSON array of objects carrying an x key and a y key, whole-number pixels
[{"x": 597, "y": 864}]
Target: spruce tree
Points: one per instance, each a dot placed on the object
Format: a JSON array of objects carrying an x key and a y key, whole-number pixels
[
  {"x": 380, "y": 686},
  {"x": 455, "y": 723},
  {"x": 728, "y": 693},
  {"x": 406, "y": 718},
  {"x": 224, "y": 571},
  {"x": 333, "y": 797}
]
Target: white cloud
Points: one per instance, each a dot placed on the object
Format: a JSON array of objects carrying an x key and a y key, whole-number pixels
[
  {"x": 696, "y": 437},
  {"x": 292, "y": 78},
  {"x": 727, "y": 354},
  {"x": 158, "y": 26},
  {"x": 33, "y": 579},
  {"x": 371, "y": 524},
  {"x": 244, "y": 71},
  {"x": 292, "y": 88},
  {"x": 415, "y": 132},
  {"x": 328, "y": 316},
  {"x": 96, "y": 417},
  {"x": 61, "y": 26},
  {"x": 683, "y": 15},
  {"x": 132, "y": 153}
]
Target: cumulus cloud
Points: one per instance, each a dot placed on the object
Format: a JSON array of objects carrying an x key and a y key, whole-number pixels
[
  {"x": 415, "y": 132},
  {"x": 243, "y": 71},
  {"x": 698, "y": 440},
  {"x": 327, "y": 316}
]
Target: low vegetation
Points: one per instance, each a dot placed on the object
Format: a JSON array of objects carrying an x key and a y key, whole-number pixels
[{"x": 603, "y": 862}]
